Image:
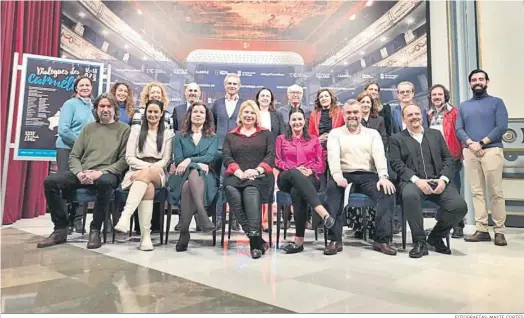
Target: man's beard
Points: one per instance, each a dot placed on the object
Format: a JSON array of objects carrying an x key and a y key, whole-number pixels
[
  {"x": 105, "y": 118},
  {"x": 351, "y": 125},
  {"x": 479, "y": 91}
]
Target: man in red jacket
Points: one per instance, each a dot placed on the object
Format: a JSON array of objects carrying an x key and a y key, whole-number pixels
[{"x": 442, "y": 116}]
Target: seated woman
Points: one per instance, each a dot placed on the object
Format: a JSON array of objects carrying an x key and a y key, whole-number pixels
[
  {"x": 148, "y": 154},
  {"x": 194, "y": 183},
  {"x": 300, "y": 159},
  {"x": 249, "y": 154}
]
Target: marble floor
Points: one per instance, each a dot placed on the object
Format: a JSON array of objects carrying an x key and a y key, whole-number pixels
[{"x": 477, "y": 278}]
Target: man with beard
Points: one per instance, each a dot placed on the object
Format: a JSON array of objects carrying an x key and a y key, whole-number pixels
[
  {"x": 192, "y": 93},
  {"x": 225, "y": 112},
  {"x": 97, "y": 161},
  {"x": 356, "y": 158},
  {"x": 442, "y": 117},
  {"x": 294, "y": 96},
  {"x": 481, "y": 122},
  {"x": 424, "y": 167}
]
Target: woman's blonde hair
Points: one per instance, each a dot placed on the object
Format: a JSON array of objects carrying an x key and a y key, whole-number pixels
[
  {"x": 144, "y": 95},
  {"x": 252, "y": 104}
]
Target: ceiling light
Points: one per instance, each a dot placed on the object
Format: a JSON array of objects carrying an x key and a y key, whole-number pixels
[
  {"x": 104, "y": 32},
  {"x": 126, "y": 46},
  {"x": 369, "y": 3},
  {"x": 139, "y": 12},
  {"x": 353, "y": 17},
  {"x": 383, "y": 39},
  {"x": 81, "y": 14},
  {"x": 362, "y": 53},
  {"x": 345, "y": 62},
  {"x": 64, "y": 56},
  {"x": 410, "y": 20},
  {"x": 144, "y": 58}
]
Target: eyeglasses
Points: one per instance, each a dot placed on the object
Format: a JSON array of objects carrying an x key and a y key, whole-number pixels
[
  {"x": 404, "y": 92},
  {"x": 295, "y": 93}
]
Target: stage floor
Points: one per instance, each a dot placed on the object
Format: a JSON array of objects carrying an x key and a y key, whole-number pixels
[{"x": 478, "y": 277}]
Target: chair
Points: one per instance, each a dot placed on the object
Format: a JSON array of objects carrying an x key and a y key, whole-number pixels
[
  {"x": 160, "y": 197},
  {"x": 365, "y": 203},
  {"x": 82, "y": 197},
  {"x": 284, "y": 204},
  {"x": 426, "y": 205}
]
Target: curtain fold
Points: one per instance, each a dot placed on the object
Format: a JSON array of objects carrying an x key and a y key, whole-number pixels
[{"x": 26, "y": 27}]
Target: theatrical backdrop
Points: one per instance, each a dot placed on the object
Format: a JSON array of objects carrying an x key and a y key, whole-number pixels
[{"x": 315, "y": 44}]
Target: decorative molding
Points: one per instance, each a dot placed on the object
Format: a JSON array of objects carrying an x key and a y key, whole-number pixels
[{"x": 245, "y": 57}]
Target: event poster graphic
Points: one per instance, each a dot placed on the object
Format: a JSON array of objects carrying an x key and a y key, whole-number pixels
[
  {"x": 341, "y": 45},
  {"x": 47, "y": 83}
]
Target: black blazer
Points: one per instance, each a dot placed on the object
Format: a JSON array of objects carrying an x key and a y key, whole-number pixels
[
  {"x": 386, "y": 114},
  {"x": 378, "y": 124},
  {"x": 403, "y": 152},
  {"x": 277, "y": 124}
]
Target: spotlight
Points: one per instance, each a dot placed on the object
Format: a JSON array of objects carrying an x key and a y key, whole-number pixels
[
  {"x": 369, "y": 3},
  {"x": 410, "y": 21},
  {"x": 81, "y": 14},
  {"x": 104, "y": 32},
  {"x": 139, "y": 12},
  {"x": 383, "y": 39},
  {"x": 353, "y": 17}
]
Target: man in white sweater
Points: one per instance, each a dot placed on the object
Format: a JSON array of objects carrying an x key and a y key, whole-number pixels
[{"x": 356, "y": 158}]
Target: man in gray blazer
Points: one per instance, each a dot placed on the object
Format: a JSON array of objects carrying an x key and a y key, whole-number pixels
[
  {"x": 225, "y": 112},
  {"x": 193, "y": 94}
]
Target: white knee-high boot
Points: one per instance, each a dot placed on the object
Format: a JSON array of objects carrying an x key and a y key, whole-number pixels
[
  {"x": 136, "y": 193},
  {"x": 145, "y": 213}
]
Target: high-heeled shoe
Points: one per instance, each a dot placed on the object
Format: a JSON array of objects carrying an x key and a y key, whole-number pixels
[{"x": 183, "y": 241}]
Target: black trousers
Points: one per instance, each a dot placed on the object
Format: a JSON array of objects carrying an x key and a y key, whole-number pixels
[
  {"x": 303, "y": 191},
  {"x": 453, "y": 209},
  {"x": 57, "y": 182},
  {"x": 365, "y": 183},
  {"x": 62, "y": 159},
  {"x": 246, "y": 205}
]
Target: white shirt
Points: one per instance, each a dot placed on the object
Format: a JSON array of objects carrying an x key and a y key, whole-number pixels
[
  {"x": 349, "y": 152},
  {"x": 188, "y": 105},
  {"x": 231, "y": 105},
  {"x": 265, "y": 120}
]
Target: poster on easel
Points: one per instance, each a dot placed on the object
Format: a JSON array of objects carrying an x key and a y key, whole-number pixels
[{"x": 46, "y": 83}]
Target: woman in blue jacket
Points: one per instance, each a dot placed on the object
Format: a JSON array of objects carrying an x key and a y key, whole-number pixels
[
  {"x": 74, "y": 115},
  {"x": 194, "y": 182},
  {"x": 125, "y": 99}
]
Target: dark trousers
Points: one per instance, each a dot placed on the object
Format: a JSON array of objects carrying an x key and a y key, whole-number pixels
[
  {"x": 457, "y": 167},
  {"x": 303, "y": 191},
  {"x": 62, "y": 161},
  {"x": 57, "y": 182},
  {"x": 246, "y": 204},
  {"x": 453, "y": 208},
  {"x": 365, "y": 183}
]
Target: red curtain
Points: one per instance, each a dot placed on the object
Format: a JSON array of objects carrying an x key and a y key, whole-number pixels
[{"x": 27, "y": 27}]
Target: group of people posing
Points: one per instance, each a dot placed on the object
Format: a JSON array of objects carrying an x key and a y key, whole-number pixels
[{"x": 236, "y": 148}]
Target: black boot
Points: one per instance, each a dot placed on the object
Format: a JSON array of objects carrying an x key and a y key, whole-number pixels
[
  {"x": 419, "y": 249},
  {"x": 255, "y": 246}
]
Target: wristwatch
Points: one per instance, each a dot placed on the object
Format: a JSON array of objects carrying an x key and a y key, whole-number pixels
[{"x": 481, "y": 143}]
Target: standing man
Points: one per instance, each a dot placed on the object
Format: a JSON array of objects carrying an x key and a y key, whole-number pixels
[
  {"x": 225, "y": 112},
  {"x": 424, "y": 166},
  {"x": 405, "y": 93},
  {"x": 294, "y": 96},
  {"x": 442, "y": 117},
  {"x": 97, "y": 161},
  {"x": 481, "y": 122},
  {"x": 356, "y": 156},
  {"x": 192, "y": 93}
]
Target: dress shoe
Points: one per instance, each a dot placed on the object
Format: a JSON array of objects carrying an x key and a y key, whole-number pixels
[
  {"x": 183, "y": 241},
  {"x": 478, "y": 237},
  {"x": 458, "y": 232},
  {"x": 500, "y": 240},
  {"x": 94, "y": 239},
  {"x": 384, "y": 248},
  {"x": 333, "y": 248},
  {"x": 419, "y": 249},
  {"x": 177, "y": 227},
  {"x": 58, "y": 236},
  {"x": 328, "y": 221},
  {"x": 293, "y": 248},
  {"x": 438, "y": 245}
]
